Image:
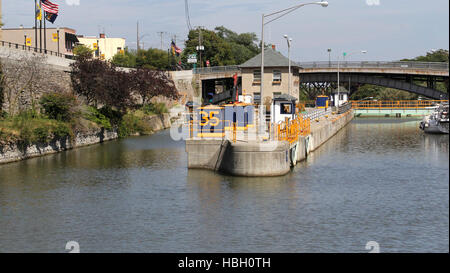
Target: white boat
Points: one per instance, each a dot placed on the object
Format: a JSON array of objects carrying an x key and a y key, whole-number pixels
[{"x": 437, "y": 122}]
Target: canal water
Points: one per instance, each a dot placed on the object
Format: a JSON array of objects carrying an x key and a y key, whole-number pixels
[{"x": 378, "y": 180}]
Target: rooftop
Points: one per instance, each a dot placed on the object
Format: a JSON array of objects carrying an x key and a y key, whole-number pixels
[{"x": 272, "y": 58}]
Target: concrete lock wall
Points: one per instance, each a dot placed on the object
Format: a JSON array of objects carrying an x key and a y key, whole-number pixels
[
  {"x": 240, "y": 159},
  {"x": 264, "y": 158}
]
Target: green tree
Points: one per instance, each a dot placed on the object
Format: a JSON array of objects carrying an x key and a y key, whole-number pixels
[
  {"x": 217, "y": 50},
  {"x": 82, "y": 51},
  {"x": 440, "y": 55},
  {"x": 126, "y": 59},
  {"x": 152, "y": 58},
  {"x": 244, "y": 46}
]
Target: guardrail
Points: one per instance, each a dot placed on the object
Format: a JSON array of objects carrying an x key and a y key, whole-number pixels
[
  {"x": 317, "y": 113},
  {"x": 403, "y": 104},
  {"x": 34, "y": 49}
]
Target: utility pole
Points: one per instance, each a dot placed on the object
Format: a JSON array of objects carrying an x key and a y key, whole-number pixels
[
  {"x": 137, "y": 36},
  {"x": 200, "y": 46},
  {"x": 161, "y": 34}
]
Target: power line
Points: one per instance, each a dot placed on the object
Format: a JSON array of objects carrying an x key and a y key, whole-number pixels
[{"x": 188, "y": 19}]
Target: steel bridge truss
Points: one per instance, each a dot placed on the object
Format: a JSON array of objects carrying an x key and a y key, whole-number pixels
[{"x": 402, "y": 82}]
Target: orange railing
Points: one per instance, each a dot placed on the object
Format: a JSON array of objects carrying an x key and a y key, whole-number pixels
[
  {"x": 401, "y": 104},
  {"x": 291, "y": 130}
]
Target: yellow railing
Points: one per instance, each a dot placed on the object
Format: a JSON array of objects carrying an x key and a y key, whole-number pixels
[
  {"x": 291, "y": 130},
  {"x": 401, "y": 104}
]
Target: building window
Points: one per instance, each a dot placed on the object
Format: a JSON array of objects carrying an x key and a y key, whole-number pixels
[
  {"x": 341, "y": 97},
  {"x": 276, "y": 94},
  {"x": 286, "y": 108},
  {"x": 256, "y": 76},
  {"x": 276, "y": 76}
]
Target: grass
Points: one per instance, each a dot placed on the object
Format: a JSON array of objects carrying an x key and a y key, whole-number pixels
[{"x": 28, "y": 128}]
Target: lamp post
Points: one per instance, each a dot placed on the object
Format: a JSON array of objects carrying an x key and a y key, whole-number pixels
[
  {"x": 329, "y": 57},
  {"x": 289, "y": 42},
  {"x": 338, "y": 79},
  {"x": 279, "y": 14},
  {"x": 57, "y": 33}
]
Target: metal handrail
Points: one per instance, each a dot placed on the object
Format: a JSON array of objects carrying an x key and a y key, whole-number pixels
[
  {"x": 30, "y": 48},
  {"x": 217, "y": 69},
  {"x": 378, "y": 64},
  {"x": 317, "y": 113},
  {"x": 344, "y": 64},
  {"x": 402, "y": 104}
]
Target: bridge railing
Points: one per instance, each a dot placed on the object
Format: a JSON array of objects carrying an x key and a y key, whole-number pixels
[
  {"x": 217, "y": 69},
  {"x": 345, "y": 64},
  {"x": 402, "y": 104},
  {"x": 400, "y": 65}
]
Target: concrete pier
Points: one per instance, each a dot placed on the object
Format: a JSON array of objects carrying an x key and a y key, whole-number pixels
[{"x": 268, "y": 158}]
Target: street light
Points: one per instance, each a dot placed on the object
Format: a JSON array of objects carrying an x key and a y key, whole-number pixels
[
  {"x": 279, "y": 14},
  {"x": 338, "y": 80},
  {"x": 289, "y": 42},
  {"x": 329, "y": 57},
  {"x": 57, "y": 31}
]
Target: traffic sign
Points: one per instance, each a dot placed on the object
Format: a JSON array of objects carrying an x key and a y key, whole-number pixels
[{"x": 192, "y": 58}]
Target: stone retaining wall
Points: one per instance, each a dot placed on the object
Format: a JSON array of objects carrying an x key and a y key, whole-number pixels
[{"x": 13, "y": 152}]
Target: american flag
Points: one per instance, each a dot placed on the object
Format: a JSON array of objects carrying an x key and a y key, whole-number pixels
[
  {"x": 50, "y": 7},
  {"x": 175, "y": 49}
]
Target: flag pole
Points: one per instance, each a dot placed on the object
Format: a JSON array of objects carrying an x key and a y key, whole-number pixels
[
  {"x": 40, "y": 27},
  {"x": 45, "y": 33},
  {"x": 35, "y": 26}
]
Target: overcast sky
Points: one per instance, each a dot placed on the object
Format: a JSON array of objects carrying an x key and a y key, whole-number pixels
[{"x": 387, "y": 29}]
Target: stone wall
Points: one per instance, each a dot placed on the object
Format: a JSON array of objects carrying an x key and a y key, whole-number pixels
[
  {"x": 13, "y": 152},
  {"x": 26, "y": 78}
]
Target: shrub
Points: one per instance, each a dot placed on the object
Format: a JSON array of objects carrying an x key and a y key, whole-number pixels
[
  {"x": 132, "y": 124},
  {"x": 26, "y": 137},
  {"x": 41, "y": 134},
  {"x": 82, "y": 51},
  {"x": 61, "y": 131},
  {"x": 58, "y": 106},
  {"x": 158, "y": 109},
  {"x": 114, "y": 116},
  {"x": 94, "y": 115}
]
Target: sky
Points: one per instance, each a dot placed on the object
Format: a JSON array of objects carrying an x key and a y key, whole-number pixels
[{"x": 388, "y": 29}]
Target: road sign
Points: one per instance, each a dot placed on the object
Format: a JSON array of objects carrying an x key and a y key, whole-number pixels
[
  {"x": 200, "y": 48},
  {"x": 192, "y": 58},
  {"x": 55, "y": 37},
  {"x": 28, "y": 42},
  {"x": 95, "y": 46}
]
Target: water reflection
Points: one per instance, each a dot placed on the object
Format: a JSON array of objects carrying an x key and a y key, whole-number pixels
[{"x": 378, "y": 179}]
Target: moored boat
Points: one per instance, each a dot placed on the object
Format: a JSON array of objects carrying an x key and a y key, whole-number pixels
[{"x": 437, "y": 122}]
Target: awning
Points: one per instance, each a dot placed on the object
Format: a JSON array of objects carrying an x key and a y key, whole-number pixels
[{"x": 72, "y": 38}]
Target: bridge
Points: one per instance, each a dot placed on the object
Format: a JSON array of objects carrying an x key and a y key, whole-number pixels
[{"x": 399, "y": 75}]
